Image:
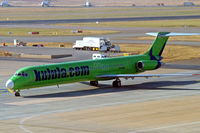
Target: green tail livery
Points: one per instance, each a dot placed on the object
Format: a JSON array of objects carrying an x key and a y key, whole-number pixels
[{"x": 94, "y": 70}]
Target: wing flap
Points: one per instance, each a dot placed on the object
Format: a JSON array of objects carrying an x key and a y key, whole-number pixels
[{"x": 141, "y": 75}]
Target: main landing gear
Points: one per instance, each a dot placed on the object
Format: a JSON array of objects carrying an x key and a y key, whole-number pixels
[
  {"x": 17, "y": 94},
  {"x": 94, "y": 83},
  {"x": 117, "y": 83}
]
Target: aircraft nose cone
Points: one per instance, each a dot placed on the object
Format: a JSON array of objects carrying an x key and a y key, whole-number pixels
[{"x": 9, "y": 84}]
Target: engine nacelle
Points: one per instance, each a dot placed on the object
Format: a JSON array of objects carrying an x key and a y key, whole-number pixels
[{"x": 148, "y": 65}]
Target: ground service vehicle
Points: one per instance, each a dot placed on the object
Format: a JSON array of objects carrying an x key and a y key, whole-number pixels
[{"x": 93, "y": 44}]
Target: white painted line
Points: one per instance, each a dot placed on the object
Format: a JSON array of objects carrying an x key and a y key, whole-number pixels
[
  {"x": 28, "y": 131},
  {"x": 22, "y": 122}
]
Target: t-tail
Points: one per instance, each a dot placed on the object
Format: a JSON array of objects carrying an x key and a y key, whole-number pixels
[{"x": 158, "y": 45}]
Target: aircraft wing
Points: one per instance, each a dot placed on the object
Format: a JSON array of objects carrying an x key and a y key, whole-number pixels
[{"x": 126, "y": 76}]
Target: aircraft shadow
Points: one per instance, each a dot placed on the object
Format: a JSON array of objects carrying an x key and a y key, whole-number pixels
[{"x": 105, "y": 88}]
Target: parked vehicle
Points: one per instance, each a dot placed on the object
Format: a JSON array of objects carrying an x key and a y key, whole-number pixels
[{"x": 94, "y": 44}]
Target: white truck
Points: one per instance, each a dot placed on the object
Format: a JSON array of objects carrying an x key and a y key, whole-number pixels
[{"x": 93, "y": 44}]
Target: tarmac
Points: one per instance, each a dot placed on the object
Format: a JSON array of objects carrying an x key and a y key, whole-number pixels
[
  {"x": 100, "y": 19},
  {"x": 140, "y": 105}
]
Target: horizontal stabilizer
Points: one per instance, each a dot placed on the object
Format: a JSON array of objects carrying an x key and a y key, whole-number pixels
[{"x": 173, "y": 34}]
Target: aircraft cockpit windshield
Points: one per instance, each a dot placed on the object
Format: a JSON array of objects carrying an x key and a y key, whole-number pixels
[{"x": 23, "y": 74}]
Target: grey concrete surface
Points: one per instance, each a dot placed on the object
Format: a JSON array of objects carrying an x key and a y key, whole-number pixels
[
  {"x": 80, "y": 96},
  {"x": 83, "y": 96}
]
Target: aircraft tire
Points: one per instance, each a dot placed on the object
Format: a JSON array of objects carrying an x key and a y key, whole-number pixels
[
  {"x": 119, "y": 84},
  {"x": 17, "y": 94},
  {"x": 94, "y": 83},
  {"x": 116, "y": 83}
]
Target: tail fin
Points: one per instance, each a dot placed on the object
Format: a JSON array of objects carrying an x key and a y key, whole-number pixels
[{"x": 158, "y": 46}]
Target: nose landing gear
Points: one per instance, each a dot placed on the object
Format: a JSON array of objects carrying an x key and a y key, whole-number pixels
[{"x": 17, "y": 94}]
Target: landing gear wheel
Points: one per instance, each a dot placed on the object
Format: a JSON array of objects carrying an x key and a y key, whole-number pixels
[
  {"x": 17, "y": 94},
  {"x": 119, "y": 84},
  {"x": 116, "y": 83},
  {"x": 94, "y": 83}
]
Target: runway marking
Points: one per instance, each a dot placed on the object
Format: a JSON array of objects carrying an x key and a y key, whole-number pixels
[
  {"x": 164, "y": 127},
  {"x": 28, "y": 131},
  {"x": 3, "y": 91},
  {"x": 21, "y": 125}
]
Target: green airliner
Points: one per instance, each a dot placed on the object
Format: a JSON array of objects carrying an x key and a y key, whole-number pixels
[{"x": 94, "y": 70}]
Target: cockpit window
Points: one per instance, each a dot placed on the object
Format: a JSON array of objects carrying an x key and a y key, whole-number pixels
[{"x": 23, "y": 74}]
